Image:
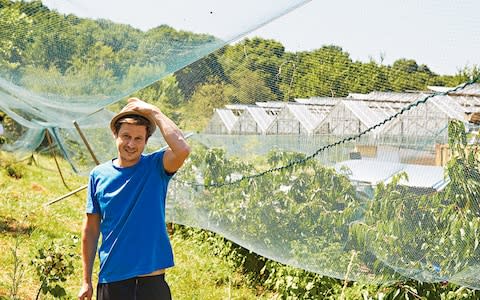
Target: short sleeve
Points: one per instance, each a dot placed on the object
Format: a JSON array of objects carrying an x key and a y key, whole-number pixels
[
  {"x": 158, "y": 157},
  {"x": 92, "y": 206}
]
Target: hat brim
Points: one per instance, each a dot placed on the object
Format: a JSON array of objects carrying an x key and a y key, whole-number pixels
[{"x": 152, "y": 126}]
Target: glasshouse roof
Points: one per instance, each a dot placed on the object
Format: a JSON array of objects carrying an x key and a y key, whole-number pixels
[
  {"x": 271, "y": 104},
  {"x": 374, "y": 172},
  {"x": 227, "y": 117},
  {"x": 471, "y": 90},
  {"x": 259, "y": 115},
  {"x": 366, "y": 115},
  {"x": 236, "y": 106},
  {"x": 305, "y": 116},
  {"x": 449, "y": 106},
  {"x": 469, "y": 103},
  {"x": 388, "y": 96},
  {"x": 328, "y": 101}
]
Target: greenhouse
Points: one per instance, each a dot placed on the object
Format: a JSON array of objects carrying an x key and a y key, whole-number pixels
[
  {"x": 350, "y": 117},
  {"x": 295, "y": 119},
  {"x": 428, "y": 120},
  {"x": 221, "y": 122},
  {"x": 253, "y": 120},
  {"x": 367, "y": 174}
]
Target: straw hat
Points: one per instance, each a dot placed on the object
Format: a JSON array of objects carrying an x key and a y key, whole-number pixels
[{"x": 128, "y": 112}]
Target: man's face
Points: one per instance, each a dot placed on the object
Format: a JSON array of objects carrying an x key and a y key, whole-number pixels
[{"x": 130, "y": 141}]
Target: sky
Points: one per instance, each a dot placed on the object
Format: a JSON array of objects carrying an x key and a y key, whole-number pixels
[{"x": 443, "y": 34}]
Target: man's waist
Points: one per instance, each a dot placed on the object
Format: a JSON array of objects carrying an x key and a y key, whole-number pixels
[{"x": 154, "y": 273}]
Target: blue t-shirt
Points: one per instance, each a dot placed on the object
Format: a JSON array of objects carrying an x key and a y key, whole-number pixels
[{"x": 131, "y": 205}]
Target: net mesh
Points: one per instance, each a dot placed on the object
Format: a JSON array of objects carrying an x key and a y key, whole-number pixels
[{"x": 352, "y": 169}]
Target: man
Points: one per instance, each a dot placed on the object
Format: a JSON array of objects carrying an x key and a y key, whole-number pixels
[{"x": 126, "y": 204}]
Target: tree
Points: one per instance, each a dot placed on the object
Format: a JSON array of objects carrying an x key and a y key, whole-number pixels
[
  {"x": 206, "y": 98},
  {"x": 199, "y": 72},
  {"x": 259, "y": 55},
  {"x": 368, "y": 77},
  {"x": 166, "y": 95},
  {"x": 463, "y": 74},
  {"x": 15, "y": 32},
  {"x": 405, "y": 65},
  {"x": 323, "y": 72},
  {"x": 94, "y": 72},
  {"x": 406, "y": 74},
  {"x": 249, "y": 87}
]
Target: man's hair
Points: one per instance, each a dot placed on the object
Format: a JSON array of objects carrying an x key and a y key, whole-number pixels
[{"x": 134, "y": 120}]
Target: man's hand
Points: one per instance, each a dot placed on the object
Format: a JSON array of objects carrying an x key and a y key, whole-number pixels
[
  {"x": 86, "y": 292},
  {"x": 141, "y": 106},
  {"x": 178, "y": 150}
]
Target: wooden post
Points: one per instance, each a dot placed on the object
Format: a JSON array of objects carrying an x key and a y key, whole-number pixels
[
  {"x": 66, "y": 195},
  {"x": 349, "y": 269},
  {"x": 84, "y": 186},
  {"x": 86, "y": 142},
  {"x": 49, "y": 138}
]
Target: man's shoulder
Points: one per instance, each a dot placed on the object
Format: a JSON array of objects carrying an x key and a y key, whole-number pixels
[
  {"x": 155, "y": 154},
  {"x": 101, "y": 168}
]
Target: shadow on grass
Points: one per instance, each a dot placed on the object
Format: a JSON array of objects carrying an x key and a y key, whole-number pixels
[{"x": 11, "y": 225}]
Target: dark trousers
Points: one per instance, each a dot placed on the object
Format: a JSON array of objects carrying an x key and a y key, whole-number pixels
[{"x": 138, "y": 288}]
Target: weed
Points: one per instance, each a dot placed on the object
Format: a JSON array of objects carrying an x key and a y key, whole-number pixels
[
  {"x": 53, "y": 265},
  {"x": 16, "y": 275}
]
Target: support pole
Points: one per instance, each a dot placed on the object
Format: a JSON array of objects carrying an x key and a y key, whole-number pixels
[
  {"x": 84, "y": 139},
  {"x": 94, "y": 158},
  {"x": 66, "y": 195},
  {"x": 49, "y": 138},
  {"x": 345, "y": 280}
]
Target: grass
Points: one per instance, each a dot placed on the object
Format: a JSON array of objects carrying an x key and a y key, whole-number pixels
[{"x": 27, "y": 222}]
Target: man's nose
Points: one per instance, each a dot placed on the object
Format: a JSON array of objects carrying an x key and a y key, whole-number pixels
[{"x": 131, "y": 142}]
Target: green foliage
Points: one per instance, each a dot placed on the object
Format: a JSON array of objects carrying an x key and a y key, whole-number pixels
[
  {"x": 53, "y": 264},
  {"x": 205, "y": 277},
  {"x": 164, "y": 94},
  {"x": 15, "y": 171},
  {"x": 13, "y": 43},
  {"x": 440, "y": 231},
  {"x": 297, "y": 207},
  {"x": 11, "y": 167},
  {"x": 259, "y": 56},
  {"x": 426, "y": 291},
  {"x": 249, "y": 88},
  {"x": 206, "y": 98},
  {"x": 200, "y": 72},
  {"x": 307, "y": 209}
]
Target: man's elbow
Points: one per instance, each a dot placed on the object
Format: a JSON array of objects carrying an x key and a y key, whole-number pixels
[{"x": 184, "y": 152}]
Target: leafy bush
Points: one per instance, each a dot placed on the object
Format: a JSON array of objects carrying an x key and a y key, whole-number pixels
[
  {"x": 11, "y": 166},
  {"x": 397, "y": 235},
  {"x": 53, "y": 264}
]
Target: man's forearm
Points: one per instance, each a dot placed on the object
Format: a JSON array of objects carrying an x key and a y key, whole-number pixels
[
  {"x": 172, "y": 134},
  {"x": 90, "y": 236},
  {"x": 89, "y": 249}
]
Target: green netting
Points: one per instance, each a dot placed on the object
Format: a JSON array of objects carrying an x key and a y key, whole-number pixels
[
  {"x": 364, "y": 170},
  {"x": 49, "y": 59}
]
